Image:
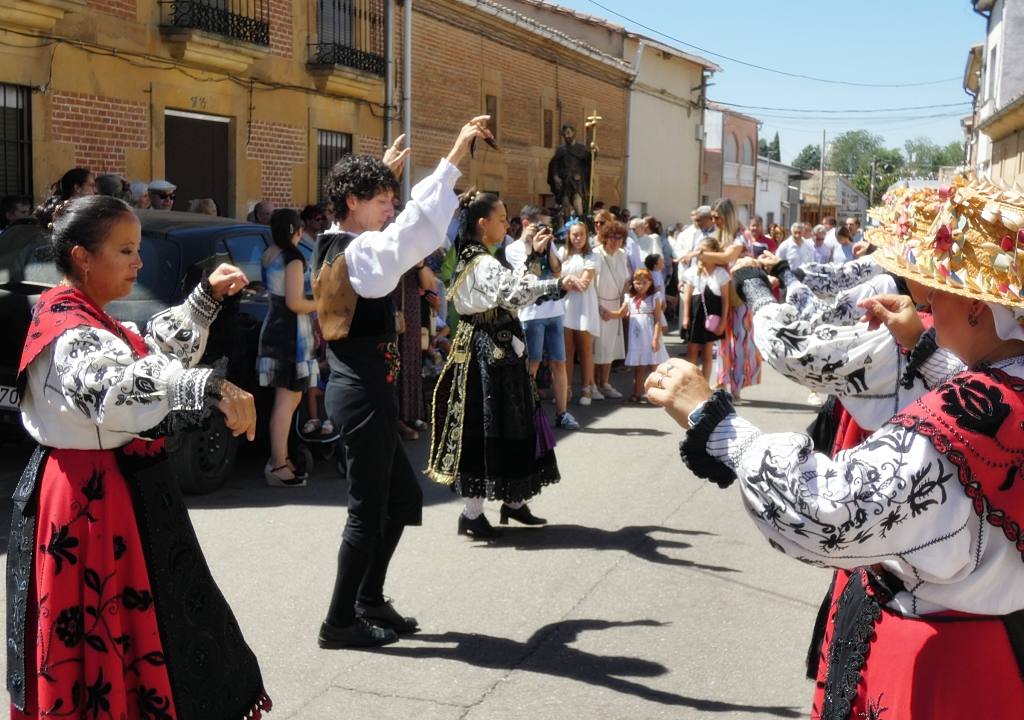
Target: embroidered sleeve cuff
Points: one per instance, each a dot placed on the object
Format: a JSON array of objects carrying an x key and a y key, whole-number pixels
[
  {"x": 752, "y": 285},
  {"x": 188, "y": 390},
  {"x": 695, "y": 450},
  {"x": 786, "y": 275},
  {"x": 731, "y": 439},
  {"x": 201, "y": 304}
]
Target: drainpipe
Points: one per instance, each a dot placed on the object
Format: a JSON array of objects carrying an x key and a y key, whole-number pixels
[
  {"x": 389, "y": 74},
  {"x": 407, "y": 92}
]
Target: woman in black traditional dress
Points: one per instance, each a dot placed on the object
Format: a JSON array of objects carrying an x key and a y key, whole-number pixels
[{"x": 489, "y": 439}]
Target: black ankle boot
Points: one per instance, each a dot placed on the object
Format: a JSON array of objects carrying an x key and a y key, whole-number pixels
[
  {"x": 520, "y": 514},
  {"x": 360, "y": 634},
  {"x": 478, "y": 528}
]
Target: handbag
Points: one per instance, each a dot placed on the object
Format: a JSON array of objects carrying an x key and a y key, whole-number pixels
[{"x": 711, "y": 322}]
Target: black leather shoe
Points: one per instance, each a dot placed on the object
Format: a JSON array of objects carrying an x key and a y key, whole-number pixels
[
  {"x": 386, "y": 616},
  {"x": 360, "y": 634},
  {"x": 521, "y": 514},
  {"x": 478, "y": 528}
]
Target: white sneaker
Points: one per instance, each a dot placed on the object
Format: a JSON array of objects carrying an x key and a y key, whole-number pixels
[
  {"x": 595, "y": 394},
  {"x": 567, "y": 422},
  {"x": 585, "y": 397},
  {"x": 609, "y": 392}
]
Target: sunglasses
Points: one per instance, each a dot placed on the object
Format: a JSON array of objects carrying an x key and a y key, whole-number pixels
[{"x": 166, "y": 196}]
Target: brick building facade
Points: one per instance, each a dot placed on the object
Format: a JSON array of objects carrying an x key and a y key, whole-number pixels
[
  {"x": 241, "y": 105},
  {"x": 536, "y": 78}
]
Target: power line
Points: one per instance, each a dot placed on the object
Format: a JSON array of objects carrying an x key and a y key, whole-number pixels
[
  {"x": 855, "y": 119},
  {"x": 851, "y": 110},
  {"x": 768, "y": 69}
]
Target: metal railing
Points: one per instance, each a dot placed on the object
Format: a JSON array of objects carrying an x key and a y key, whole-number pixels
[
  {"x": 349, "y": 33},
  {"x": 247, "y": 20}
]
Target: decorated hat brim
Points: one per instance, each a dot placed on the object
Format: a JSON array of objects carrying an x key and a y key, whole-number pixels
[{"x": 891, "y": 252}]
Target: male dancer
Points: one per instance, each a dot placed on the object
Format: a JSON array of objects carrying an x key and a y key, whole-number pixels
[{"x": 356, "y": 266}]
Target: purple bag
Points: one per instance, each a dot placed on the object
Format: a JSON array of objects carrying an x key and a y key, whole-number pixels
[
  {"x": 712, "y": 323},
  {"x": 545, "y": 438}
]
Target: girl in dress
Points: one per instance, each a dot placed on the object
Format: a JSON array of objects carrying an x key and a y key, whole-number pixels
[
  {"x": 612, "y": 281},
  {"x": 644, "y": 309},
  {"x": 489, "y": 436},
  {"x": 287, "y": 351},
  {"x": 705, "y": 295},
  {"x": 582, "y": 321},
  {"x": 741, "y": 364}
]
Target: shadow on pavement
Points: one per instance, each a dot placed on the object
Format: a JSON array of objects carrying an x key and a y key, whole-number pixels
[
  {"x": 549, "y": 652},
  {"x": 634, "y": 539},
  {"x": 623, "y": 432}
]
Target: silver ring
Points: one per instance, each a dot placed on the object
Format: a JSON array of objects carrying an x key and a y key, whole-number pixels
[{"x": 661, "y": 381}]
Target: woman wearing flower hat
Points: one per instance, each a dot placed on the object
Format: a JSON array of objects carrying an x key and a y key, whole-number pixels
[{"x": 925, "y": 515}]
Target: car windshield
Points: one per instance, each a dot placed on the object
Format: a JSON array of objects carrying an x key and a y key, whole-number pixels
[{"x": 156, "y": 280}]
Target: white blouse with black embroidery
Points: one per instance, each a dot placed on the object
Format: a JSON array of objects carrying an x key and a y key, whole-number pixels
[
  {"x": 827, "y": 279},
  {"x": 893, "y": 500},
  {"x": 87, "y": 391},
  {"x": 823, "y": 346},
  {"x": 490, "y": 285}
]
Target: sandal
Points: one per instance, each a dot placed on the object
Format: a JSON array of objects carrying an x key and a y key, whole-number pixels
[
  {"x": 270, "y": 475},
  {"x": 311, "y": 426},
  {"x": 419, "y": 425},
  {"x": 327, "y": 427}
]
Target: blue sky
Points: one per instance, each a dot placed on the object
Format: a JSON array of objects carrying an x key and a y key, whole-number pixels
[{"x": 899, "y": 41}]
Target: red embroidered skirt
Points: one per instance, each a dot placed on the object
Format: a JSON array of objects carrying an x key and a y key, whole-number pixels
[
  {"x": 92, "y": 644},
  {"x": 945, "y": 667}
]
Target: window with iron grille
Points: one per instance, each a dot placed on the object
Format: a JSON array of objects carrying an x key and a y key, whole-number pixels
[
  {"x": 330, "y": 148},
  {"x": 350, "y": 33},
  {"x": 247, "y": 20},
  {"x": 15, "y": 140}
]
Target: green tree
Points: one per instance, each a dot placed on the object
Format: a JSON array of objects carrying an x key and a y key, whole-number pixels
[
  {"x": 925, "y": 157},
  {"x": 762, "y": 147},
  {"x": 851, "y": 153},
  {"x": 773, "y": 149},
  {"x": 809, "y": 158}
]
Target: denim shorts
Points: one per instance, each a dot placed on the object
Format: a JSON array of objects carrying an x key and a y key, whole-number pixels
[{"x": 545, "y": 334}]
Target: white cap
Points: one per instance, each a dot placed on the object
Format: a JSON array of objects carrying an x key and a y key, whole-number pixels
[{"x": 162, "y": 186}]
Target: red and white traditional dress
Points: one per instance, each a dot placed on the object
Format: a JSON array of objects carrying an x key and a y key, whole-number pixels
[
  {"x": 112, "y": 612},
  {"x": 926, "y": 515}
]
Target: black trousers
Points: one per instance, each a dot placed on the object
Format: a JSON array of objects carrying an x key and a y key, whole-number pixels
[{"x": 384, "y": 490}]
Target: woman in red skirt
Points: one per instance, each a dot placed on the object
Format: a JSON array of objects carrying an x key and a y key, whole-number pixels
[
  {"x": 112, "y": 611},
  {"x": 925, "y": 515}
]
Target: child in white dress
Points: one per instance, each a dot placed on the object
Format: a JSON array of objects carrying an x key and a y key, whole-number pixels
[{"x": 644, "y": 308}]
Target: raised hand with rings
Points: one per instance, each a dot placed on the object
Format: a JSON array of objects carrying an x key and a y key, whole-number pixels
[{"x": 679, "y": 387}]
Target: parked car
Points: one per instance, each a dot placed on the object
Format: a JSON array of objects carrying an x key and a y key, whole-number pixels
[{"x": 177, "y": 250}]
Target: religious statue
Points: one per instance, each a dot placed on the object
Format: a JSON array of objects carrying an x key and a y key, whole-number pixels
[{"x": 569, "y": 174}]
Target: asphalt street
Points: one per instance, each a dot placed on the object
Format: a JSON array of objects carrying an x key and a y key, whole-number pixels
[{"x": 650, "y": 594}]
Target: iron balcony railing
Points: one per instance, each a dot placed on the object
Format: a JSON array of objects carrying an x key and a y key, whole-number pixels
[
  {"x": 247, "y": 20},
  {"x": 349, "y": 33}
]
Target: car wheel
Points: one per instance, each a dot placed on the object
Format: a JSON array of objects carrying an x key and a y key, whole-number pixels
[{"x": 203, "y": 457}]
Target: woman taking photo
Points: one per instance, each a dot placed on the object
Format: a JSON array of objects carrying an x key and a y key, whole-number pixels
[
  {"x": 287, "y": 358},
  {"x": 582, "y": 322},
  {"x": 490, "y": 439},
  {"x": 923, "y": 519},
  {"x": 112, "y": 611},
  {"x": 613, "y": 280}
]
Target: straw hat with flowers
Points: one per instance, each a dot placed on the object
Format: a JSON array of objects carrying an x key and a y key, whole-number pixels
[{"x": 966, "y": 239}]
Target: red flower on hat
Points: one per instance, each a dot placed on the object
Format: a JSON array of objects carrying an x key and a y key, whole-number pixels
[
  {"x": 944, "y": 193},
  {"x": 943, "y": 239}
]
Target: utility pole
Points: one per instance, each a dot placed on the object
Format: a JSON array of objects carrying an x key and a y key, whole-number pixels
[{"x": 821, "y": 175}]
